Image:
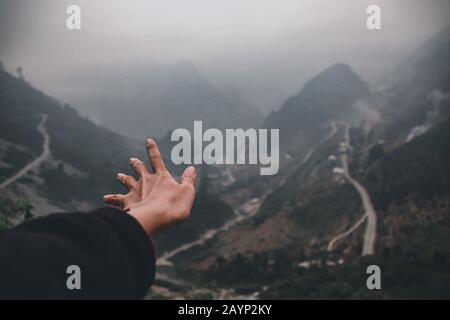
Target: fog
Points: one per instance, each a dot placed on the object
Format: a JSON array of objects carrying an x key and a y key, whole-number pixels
[{"x": 265, "y": 49}]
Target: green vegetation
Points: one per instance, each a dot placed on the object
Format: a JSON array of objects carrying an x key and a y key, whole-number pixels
[
  {"x": 24, "y": 208},
  {"x": 21, "y": 208},
  {"x": 4, "y": 224}
]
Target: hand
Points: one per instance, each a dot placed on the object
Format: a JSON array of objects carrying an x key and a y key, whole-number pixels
[{"x": 155, "y": 200}]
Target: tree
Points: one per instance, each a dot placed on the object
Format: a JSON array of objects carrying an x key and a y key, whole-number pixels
[
  {"x": 24, "y": 207},
  {"x": 4, "y": 224}
]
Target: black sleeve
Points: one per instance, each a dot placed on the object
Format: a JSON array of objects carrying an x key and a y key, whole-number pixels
[{"x": 115, "y": 257}]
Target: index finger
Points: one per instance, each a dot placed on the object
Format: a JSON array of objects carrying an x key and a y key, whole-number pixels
[{"x": 155, "y": 157}]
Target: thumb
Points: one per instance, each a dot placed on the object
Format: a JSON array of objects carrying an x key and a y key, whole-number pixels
[{"x": 188, "y": 176}]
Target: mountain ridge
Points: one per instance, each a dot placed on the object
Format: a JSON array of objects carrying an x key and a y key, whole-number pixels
[
  {"x": 333, "y": 91},
  {"x": 83, "y": 162}
]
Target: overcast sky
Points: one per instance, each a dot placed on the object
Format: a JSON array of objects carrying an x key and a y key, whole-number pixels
[{"x": 267, "y": 48}]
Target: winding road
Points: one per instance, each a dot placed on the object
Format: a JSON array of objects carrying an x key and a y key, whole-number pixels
[
  {"x": 311, "y": 151},
  {"x": 249, "y": 210},
  {"x": 344, "y": 234},
  {"x": 245, "y": 211},
  {"x": 325, "y": 139},
  {"x": 370, "y": 215},
  {"x": 36, "y": 162}
]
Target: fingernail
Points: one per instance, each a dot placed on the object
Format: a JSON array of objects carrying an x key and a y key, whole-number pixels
[
  {"x": 191, "y": 170},
  {"x": 150, "y": 142},
  {"x": 105, "y": 197},
  {"x": 119, "y": 175},
  {"x": 133, "y": 160}
]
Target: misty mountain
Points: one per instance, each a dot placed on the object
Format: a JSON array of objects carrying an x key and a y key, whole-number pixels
[
  {"x": 407, "y": 68},
  {"x": 83, "y": 155},
  {"x": 83, "y": 162},
  {"x": 285, "y": 251},
  {"x": 424, "y": 90},
  {"x": 328, "y": 96},
  {"x": 154, "y": 101}
]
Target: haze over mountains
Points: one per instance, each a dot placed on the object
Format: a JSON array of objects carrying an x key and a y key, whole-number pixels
[
  {"x": 157, "y": 100},
  {"x": 298, "y": 234},
  {"x": 306, "y": 238},
  {"x": 82, "y": 164}
]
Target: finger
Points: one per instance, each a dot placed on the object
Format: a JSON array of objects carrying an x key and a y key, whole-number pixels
[
  {"x": 188, "y": 176},
  {"x": 115, "y": 199},
  {"x": 139, "y": 167},
  {"x": 155, "y": 157},
  {"x": 127, "y": 181}
]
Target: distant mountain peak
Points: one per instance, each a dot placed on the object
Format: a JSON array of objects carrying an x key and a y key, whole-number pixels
[
  {"x": 339, "y": 75},
  {"x": 326, "y": 97},
  {"x": 338, "y": 68}
]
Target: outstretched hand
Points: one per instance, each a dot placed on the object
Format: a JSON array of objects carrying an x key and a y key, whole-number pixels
[{"x": 155, "y": 200}]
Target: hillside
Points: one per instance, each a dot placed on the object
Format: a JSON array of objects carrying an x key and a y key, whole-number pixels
[
  {"x": 415, "y": 99},
  {"x": 83, "y": 162},
  {"x": 306, "y": 239},
  {"x": 284, "y": 248},
  {"x": 83, "y": 154}
]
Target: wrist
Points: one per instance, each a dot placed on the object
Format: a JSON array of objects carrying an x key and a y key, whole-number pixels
[{"x": 147, "y": 222}]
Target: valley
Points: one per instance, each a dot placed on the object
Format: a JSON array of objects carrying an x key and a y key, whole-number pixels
[
  {"x": 325, "y": 206},
  {"x": 357, "y": 184},
  {"x": 168, "y": 276}
]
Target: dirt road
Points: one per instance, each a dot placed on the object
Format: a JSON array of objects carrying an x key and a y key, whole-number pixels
[
  {"x": 36, "y": 162},
  {"x": 370, "y": 234}
]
